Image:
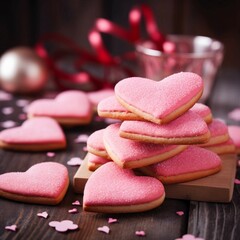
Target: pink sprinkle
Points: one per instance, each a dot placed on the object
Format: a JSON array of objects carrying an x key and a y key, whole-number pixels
[
  {"x": 76, "y": 161},
  {"x": 76, "y": 203},
  {"x": 63, "y": 226},
  {"x": 5, "y": 96},
  {"x": 180, "y": 213},
  {"x": 82, "y": 138},
  {"x": 7, "y": 110},
  {"x": 22, "y": 116},
  {"x": 104, "y": 229},
  {"x": 11, "y": 228},
  {"x": 22, "y": 102},
  {"x": 8, "y": 124},
  {"x": 74, "y": 210},
  {"x": 112, "y": 220},
  {"x": 51, "y": 154},
  {"x": 43, "y": 214},
  {"x": 140, "y": 233},
  {"x": 234, "y": 114},
  {"x": 237, "y": 181}
]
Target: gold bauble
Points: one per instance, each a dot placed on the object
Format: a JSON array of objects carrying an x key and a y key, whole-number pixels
[{"x": 22, "y": 71}]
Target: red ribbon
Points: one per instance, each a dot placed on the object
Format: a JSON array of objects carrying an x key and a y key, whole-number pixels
[{"x": 102, "y": 57}]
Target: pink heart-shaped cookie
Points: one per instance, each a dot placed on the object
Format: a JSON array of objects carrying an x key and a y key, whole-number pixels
[
  {"x": 37, "y": 134},
  {"x": 68, "y": 108},
  {"x": 162, "y": 101},
  {"x": 43, "y": 183},
  {"x": 189, "y": 128},
  {"x": 193, "y": 163},
  {"x": 134, "y": 154},
  {"x": 115, "y": 190}
]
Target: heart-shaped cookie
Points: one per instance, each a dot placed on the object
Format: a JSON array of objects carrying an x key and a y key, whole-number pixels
[
  {"x": 193, "y": 163},
  {"x": 68, "y": 108},
  {"x": 43, "y": 183},
  {"x": 189, "y": 128},
  {"x": 36, "y": 134},
  {"x": 112, "y": 189},
  {"x": 162, "y": 101},
  {"x": 134, "y": 154}
]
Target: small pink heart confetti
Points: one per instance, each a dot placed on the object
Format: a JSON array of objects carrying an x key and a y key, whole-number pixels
[
  {"x": 8, "y": 124},
  {"x": 63, "y": 226},
  {"x": 112, "y": 220},
  {"x": 74, "y": 210},
  {"x": 51, "y": 154},
  {"x": 75, "y": 161},
  {"x": 85, "y": 149},
  {"x": 22, "y": 116},
  {"x": 7, "y": 110},
  {"x": 189, "y": 237},
  {"x": 43, "y": 214},
  {"x": 11, "y": 228},
  {"x": 82, "y": 138},
  {"x": 76, "y": 203},
  {"x": 22, "y": 102},
  {"x": 140, "y": 233},
  {"x": 5, "y": 96},
  {"x": 180, "y": 213},
  {"x": 104, "y": 229},
  {"x": 234, "y": 114},
  {"x": 237, "y": 181}
]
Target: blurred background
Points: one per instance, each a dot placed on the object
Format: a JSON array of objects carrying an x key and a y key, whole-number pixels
[{"x": 23, "y": 22}]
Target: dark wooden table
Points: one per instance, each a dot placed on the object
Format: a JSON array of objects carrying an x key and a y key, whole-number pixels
[{"x": 211, "y": 221}]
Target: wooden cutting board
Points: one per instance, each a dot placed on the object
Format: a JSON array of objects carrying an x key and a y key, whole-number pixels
[{"x": 214, "y": 188}]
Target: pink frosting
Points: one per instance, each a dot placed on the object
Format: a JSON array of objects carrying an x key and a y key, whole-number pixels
[
  {"x": 96, "y": 159},
  {"x": 46, "y": 179},
  {"x": 193, "y": 159},
  {"x": 217, "y": 128},
  {"x": 201, "y": 109},
  {"x": 97, "y": 96},
  {"x": 111, "y": 104},
  {"x": 110, "y": 185},
  {"x": 234, "y": 132},
  {"x": 95, "y": 140},
  {"x": 129, "y": 150},
  {"x": 35, "y": 130},
  {"x": 188, "y": 125},
  {"x": 70, "y": 103},
  {"x": 159, "y": 98}
]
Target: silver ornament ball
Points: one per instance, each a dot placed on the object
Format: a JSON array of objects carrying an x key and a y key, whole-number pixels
[{"x": 22, "y": 71}]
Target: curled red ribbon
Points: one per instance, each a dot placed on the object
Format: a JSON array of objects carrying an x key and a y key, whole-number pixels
[{"x": 102, "y": 56}]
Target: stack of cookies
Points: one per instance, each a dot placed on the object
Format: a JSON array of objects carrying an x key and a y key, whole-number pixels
[{"x": 162, "y": 133}]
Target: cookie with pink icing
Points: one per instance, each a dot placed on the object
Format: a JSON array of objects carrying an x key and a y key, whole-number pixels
[
  {"x": 69, "y": 108},
  {"x": 96, "y": 96},
  {"x": 134, "y": 154},
  {"x": 203, "y": 111},
  {"x": 36, "y": 134},
  {"x": 163, "y": 101},
  {"x": 234, "y": 132},
  {"x": 219, "y": 133},
  {"x": 193, "y": 163},
  {"x": 94, "y": 161},
  {"x": 189, "y": 128},
  {"x": 227, "y": 147},
  {"x": 111, "y": 108},
  {"x": 95, "y": 144},
  {"x": 43, "y": 183},
  {"x": 121, "y": 191}
]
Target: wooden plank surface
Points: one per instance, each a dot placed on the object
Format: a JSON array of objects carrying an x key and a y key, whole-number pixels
[{"x": 214, "y": 188}]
